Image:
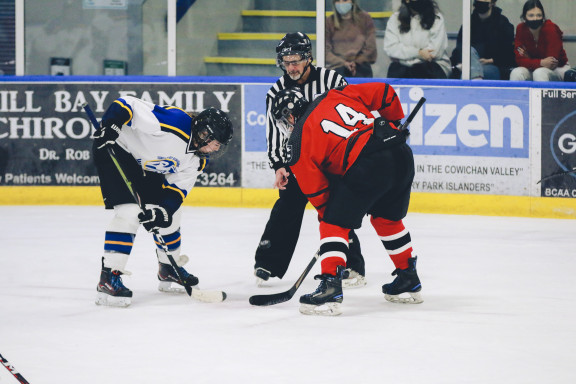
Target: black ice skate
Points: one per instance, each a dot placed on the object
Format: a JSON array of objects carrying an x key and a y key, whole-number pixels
[
  {"x": 111, "y": 290},
  {"x": 167, "y": 276},
  {"x": 262, "y": 275},
  {"x": 326, "y": 299},
  {"x": 406, "y": 281}
]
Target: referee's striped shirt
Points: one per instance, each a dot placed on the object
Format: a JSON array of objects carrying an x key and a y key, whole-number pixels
[{"x": 319, "y": 81}]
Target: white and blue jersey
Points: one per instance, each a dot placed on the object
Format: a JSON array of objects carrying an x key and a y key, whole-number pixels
[{"x": 157, "y": 137}]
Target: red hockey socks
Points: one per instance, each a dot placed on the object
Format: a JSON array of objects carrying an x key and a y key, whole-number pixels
[
  {"x": 333, "y": 247},
  {"x": 395, "y": 238}
]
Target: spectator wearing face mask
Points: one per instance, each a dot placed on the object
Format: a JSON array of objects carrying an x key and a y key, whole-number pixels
[
  {"x": 416, "y": 42},
  {"x": 491, "y": 41},
  {"x": 539, "y": 51},
  {"x": 350, "y": 40}
]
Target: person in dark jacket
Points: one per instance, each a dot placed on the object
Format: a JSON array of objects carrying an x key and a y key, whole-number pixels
[{"x": 492, "y": 43}]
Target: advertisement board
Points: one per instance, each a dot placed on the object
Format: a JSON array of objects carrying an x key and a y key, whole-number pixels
[
  {"x": 256, "y": 170},
  {"x": 558, "y": 148},
  {"x": 465, "y": 140},
  {"x": 45, "y": 134},
  {"x": 470, "y": 140}
]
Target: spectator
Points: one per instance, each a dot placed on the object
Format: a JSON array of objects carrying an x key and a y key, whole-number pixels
[
  {"x": 350, "y": 40},
  {"x": 417, "y": 42},
  {"x": 538, "y": 47},
  {"x": 492, "y": 43}
]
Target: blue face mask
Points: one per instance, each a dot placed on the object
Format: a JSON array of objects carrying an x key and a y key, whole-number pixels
[{"x": 343, "y": 8}]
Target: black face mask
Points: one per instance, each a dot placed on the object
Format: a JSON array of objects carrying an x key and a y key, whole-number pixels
[
  {"x": 534, "y": 24},
  {"x": 417, "y": 6},
  {"x": 481, "y": 6}
]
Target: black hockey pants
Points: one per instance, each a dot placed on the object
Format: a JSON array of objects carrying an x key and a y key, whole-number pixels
[
  {"x": 378, "y": 183},
  {"x": 283, "y": 229}
]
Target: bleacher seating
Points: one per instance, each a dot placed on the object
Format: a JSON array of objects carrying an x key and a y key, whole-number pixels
[{"x": 250, "y": 52}]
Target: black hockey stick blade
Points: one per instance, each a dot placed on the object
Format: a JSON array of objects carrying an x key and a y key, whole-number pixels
[
  {"x": 277, "y": 298},
  {"x": 412, "y": 114},
  {"x": 13, "y": 370}
]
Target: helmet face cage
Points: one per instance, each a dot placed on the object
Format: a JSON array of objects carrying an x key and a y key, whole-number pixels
[
  {"x": 204, "y": 137},
  {"x": 285, "y": 126},
  {"x": 288, "y": 102},
  {"x": 297, "y": 43},
  {"x": 211, "y": 124}
]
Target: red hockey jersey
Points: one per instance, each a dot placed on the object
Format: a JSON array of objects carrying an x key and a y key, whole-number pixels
[{"x": 329, "y": 137}]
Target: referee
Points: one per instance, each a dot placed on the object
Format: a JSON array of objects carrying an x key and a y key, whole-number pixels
[{"x": 277, "y": 244}]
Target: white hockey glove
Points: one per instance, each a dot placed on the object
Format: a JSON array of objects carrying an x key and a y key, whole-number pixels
[
  {"x": 106, "y": 135},
  {"x": 155, "y": 218}
]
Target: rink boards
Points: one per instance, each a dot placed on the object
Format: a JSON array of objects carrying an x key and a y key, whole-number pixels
[{"x": 480, "y": 147}]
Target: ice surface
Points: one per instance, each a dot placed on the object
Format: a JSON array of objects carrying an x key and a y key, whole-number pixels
[{"x": 499, "y": 305}]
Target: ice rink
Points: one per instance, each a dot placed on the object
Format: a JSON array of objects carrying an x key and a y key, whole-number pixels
[{"x": 499, "y": 305}]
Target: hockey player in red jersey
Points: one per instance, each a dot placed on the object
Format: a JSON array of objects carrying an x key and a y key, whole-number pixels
[{"x": 350, "y": 159}]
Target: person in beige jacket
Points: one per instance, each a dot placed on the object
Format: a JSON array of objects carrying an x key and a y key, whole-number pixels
[{"x": 350, "y": 40}]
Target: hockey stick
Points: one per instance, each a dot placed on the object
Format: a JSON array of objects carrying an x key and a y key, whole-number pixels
[
  {"x": 412, "y": 114},
  {"x": 198, "y": 294},
  {"x": 13, "y": 370},
  {"x": 277, "y": 298},
  {"x": 557, "y": 174}
]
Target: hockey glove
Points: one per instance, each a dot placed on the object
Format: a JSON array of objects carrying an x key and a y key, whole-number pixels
[
  {"x": 106, "y": 135},
  {"x": 155, "y": 218},
  {"x": 388, "y": 133}
]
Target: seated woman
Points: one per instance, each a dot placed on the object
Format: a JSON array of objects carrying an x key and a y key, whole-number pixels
[
  {"x": 539, "y": 51},
  {"x": 350, "y": 40},
  {"x": 492, "y": 43},
  {"x": 417, "y": 42}
]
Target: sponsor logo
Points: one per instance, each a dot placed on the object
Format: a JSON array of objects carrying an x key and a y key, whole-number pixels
[
  {"x": 162, "y": 165},
  {"x": 563, "y": 144},
  {"x": 490, "y": 122}
]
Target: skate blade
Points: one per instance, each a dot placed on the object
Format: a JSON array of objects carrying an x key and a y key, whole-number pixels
[
  {"x": 355, "y": 282},
  {"x": 112, "y": 301},
  {"x": 166, "y": 286},
  {"x": 328, "y": 309},
  {"x": 413, "y": 298}
]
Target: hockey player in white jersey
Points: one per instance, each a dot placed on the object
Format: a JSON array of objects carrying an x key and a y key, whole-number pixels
[{"x": 162, "y": 150}]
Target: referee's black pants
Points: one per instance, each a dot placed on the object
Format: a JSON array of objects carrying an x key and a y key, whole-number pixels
[{"x": 280, "y": 236}]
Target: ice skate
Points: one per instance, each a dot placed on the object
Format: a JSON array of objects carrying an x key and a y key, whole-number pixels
[
  {"x": 326, "y": 299},
  {"x": 167, "y": 276},
  {"x": 111, "y": 290},
  {"x": 353, "y": 280},
  {"x": 262, "y": 275},
  {"x": 406, "y": 284}
]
